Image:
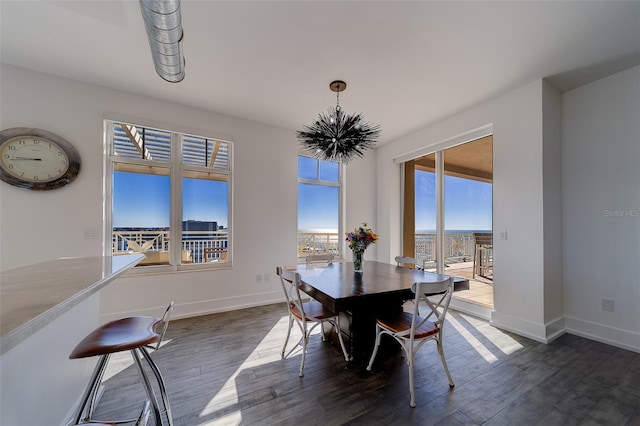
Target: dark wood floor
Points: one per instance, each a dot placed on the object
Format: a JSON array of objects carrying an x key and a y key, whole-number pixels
[{"x": 225, "y": 369}]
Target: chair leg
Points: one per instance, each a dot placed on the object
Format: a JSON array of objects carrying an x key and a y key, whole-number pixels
[
  {"x": 305, "y": 340},
  {"x": 286, "y": 340},
  {"x": 410, "y": 358},
  {"x": 147, "y": 387},
  {"x": 161, "y": 385},
  {"x": 375, "y": 348},
  {"x": 347, "y": 357},
  {"x": 444, "y": 363},
  {"x": 89, "y": 397}
]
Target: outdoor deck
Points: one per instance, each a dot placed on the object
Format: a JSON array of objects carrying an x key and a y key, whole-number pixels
[{"x": 480, "y": 289}]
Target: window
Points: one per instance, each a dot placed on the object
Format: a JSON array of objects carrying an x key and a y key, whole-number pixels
[
  {"x": 319, "y": 186},
  {"x": 170, "y": 196}
]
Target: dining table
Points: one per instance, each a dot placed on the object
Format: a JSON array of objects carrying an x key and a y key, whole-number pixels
[{"x": 359, "y": 297}]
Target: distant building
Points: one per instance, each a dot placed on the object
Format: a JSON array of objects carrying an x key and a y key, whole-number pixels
[{"x": 197, "y": 225}]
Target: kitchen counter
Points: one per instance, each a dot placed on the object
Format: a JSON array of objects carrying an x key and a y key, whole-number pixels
[{"x": 33, "y": 296}]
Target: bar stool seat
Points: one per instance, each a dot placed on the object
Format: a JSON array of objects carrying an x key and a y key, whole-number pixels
[
  {"x": 135, "y": 334},
  {"x": 117, "y": 336}
]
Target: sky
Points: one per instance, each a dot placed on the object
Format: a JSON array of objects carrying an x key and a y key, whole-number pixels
[
  {"x": 468, "y": 203},
  {"x": 142, "y": 201}
]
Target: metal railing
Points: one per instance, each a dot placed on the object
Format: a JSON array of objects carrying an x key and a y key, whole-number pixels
[
  {"x": 193, "y": 243},
  {"x": 458, "y": 246},
  {"x": 318, "y": 243}
]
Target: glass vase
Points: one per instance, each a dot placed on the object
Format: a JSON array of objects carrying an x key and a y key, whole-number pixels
[{"x": 358, "y": 260}]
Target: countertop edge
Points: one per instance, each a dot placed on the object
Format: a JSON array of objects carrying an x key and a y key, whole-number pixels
[{"x": 28, "y": 329}]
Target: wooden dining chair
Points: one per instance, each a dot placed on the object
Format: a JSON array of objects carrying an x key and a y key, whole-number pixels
[
  {"x": 412, "y": 261},
  {"x": 307, "y": 315},
  {"x": 326, "y": 259},
  {"x": 412, "y": 330}
]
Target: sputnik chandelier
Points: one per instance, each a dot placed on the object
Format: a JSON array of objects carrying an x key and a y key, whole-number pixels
[{"x": 336, "y": 136}]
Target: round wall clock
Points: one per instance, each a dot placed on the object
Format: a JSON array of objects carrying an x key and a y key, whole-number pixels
[{"x": 37, "y": 159}]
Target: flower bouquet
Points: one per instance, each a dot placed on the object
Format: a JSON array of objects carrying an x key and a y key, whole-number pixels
[{"x": 359, "y": 239}]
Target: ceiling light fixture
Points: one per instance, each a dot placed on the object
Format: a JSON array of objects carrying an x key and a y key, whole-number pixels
[
  {"x": 162, "y": 19},
  {"x": 338, "y": 137}
]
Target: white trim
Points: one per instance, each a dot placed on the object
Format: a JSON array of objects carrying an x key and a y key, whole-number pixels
[
  {"x": 206, "y": 307},
  {"x": 465, "y": 137},
  {"x": 528, "y": 329},
  {"x": 613, "y": 336},
  {"x": 470, "y": 308}
]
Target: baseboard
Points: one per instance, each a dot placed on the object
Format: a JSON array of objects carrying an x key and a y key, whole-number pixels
[
  {"x": 620, "y": 338},
  {"x": 205, "y": 307},
  {"x": 528, "y": 329},
  {"x": 470, "y": 308}
]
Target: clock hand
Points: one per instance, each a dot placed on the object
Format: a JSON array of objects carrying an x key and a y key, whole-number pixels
[{"x": 26, "y": 158}]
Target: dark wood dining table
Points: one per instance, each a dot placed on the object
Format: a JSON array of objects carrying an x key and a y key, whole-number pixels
[{"x": 358, "y": 297}]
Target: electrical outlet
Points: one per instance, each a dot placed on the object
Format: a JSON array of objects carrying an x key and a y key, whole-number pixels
[
  {"x": 607, "y": 305},
  {"x": 258, "y": 278},
  {"x": 503, "y": 235}
]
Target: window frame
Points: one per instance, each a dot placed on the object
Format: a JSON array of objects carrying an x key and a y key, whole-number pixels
[
  {"x": 177, "y": 171},
  {"x": 339, "y": 184}
]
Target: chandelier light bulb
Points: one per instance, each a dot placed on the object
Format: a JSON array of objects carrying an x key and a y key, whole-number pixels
[{"x": 333, "y": 140}]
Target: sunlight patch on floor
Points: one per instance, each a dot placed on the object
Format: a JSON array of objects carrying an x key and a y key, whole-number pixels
[
  {"x": 500, "y": 339},
  {"x": 482, "y": 350},
  {"x": 265, "y": 352}
]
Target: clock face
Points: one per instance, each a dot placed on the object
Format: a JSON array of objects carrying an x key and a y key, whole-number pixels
[{"x": 36, "y": 159}]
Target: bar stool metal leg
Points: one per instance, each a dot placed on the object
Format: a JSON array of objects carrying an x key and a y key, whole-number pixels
[
  {"x": 87, "y": 403},
  {"x": 147, "y": 387},
  {"x": 160, "y": 380}
]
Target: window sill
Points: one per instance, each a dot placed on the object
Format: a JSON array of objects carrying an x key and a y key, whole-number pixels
[{"x": 172, "y": 269}]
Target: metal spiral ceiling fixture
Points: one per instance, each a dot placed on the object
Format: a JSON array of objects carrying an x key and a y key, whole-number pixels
[
  {"x": 336, "y": 136},
  {"x": 163, "y": 22}
]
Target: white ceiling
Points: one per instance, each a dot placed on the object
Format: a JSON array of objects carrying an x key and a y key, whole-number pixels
[{"x": 406, "y": 64}]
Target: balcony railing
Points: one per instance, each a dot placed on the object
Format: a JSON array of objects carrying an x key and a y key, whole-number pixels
[
  {"x": 156, "y": 242},
  {"x": 458, "y": 247}
]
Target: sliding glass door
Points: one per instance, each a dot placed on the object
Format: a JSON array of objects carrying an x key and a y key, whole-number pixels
[{"x": 448, "y": 212}]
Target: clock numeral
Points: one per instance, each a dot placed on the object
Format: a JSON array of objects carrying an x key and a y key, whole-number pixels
[
  {"x": 12, "y": 148},
  {"x": 6, "y": 156},
  {"x": 35, "y": 178},
  {"x": 36, "y": 142},
  {"x": 22, "y": 142},
  {"x": 11, "y": 166}
]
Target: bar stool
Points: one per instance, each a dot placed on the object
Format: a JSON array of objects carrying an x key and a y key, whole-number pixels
[{"x": 136, "y": 334}]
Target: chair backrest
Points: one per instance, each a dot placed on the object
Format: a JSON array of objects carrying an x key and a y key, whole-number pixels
[
  {"x": 319, "y": 258},
  {"x": 483, "y": 238},
  {"x": 404, "y": 261},
  {"x": 442, "y": 289},
  {"x": 163, "y": 324},
  {"x": 290, "y": 281}
]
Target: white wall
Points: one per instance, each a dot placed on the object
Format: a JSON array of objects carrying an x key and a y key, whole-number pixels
[
  {"x": 39, "y": 226},
  {"x": 560, "y": 164},
  {"x": 552, "y": 205},
  {"x": 516, "y": 118},
  {"x": 601, "y": 175}
]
